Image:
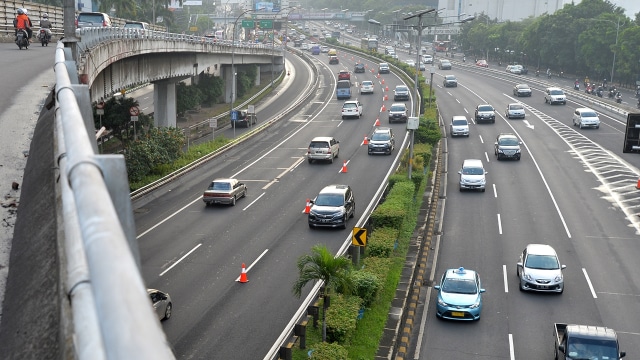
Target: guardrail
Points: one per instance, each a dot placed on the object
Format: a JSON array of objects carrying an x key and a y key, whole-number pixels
[{"x": 99, "y": 236}]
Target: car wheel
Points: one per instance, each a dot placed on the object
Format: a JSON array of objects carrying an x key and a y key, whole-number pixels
[
  {"x": 518, "y": 158},
  {"x": 337, "y": 152},
  {"x": 342, "y": 117},
  {"x": 233, "y": 201},
  {"x": 167, "y": 312},
  {"x": 483, "y": 190},
  {"x": 344, "y": 222},
  {"x": 310, "y": 226},
  {"x": 353, "y": 211},
  {"x": 493, "y": 121},
  {"x": 310, "y": 161},
  {"x": 580, "y": 124},
  {"x": 331, "y": 160},
  {"x": 461, "y": 189},
  {"x": 598, "y": 127},
  {"x": 244, "y": 194}
]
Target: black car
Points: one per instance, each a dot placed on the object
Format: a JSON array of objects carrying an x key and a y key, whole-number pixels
[
  {"x": 333, "y": 206},
  {"x": 333, "y": 60},
  {"x": 358, "y": 68}
]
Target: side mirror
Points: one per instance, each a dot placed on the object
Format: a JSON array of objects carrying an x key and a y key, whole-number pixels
[
  {"x": 495, "y": 143},
  {"x": 519, "y": 264},
  {"x": 561, "y": 348},
  {"x": 437, "y": 287},
  {"x": 622, "y": 354},
  {"x": 460, "y": 172},
  {"x": 562, "y": 267},
  {"x": 482, "y": 290}
]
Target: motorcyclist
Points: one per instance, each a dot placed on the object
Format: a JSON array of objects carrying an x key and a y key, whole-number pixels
[
  {"x": 22, "y": 22},
  {"x": 464, "y": 58},
  {"x": 576, "y": 84},
  {"x": 549, "y": 73},
  {"x": 618, "y": 97},
  {"x": 46, "y": 25}
]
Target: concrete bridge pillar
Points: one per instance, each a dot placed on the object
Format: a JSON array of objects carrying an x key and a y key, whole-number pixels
[
  {"x": 164, "y": 102},
  {"x": 230, "y": 93}
]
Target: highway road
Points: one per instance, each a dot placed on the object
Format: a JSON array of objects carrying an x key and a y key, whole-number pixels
[
  {"x": 574, "y": 189},
  {"x": 195, "y": 252}
]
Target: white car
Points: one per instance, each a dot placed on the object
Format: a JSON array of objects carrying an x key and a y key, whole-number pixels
[
  {"x": 515, "y": 111},
  {"x": 459, "y": 126},
  {"x": 351, "y": 108},
  {"x": 515, "y": 69},
  {"x": 366, "y": 87},
  {"x": 304, "y": 46},
  {"x": 410, "y": 63},
  {"x": 585, "y": 117},
  {"x": 427, "y": 59},
  {"x": 540, "y": 270}
]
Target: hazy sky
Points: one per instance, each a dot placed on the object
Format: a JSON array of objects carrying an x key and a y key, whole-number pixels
[{"x": 631, "y": 6}]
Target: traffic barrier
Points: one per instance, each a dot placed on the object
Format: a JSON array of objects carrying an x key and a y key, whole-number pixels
[{"x": 243, "y": 275}]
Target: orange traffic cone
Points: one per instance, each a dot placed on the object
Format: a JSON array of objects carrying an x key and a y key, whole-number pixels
[
  {"x": 382, "y": 81},
  {"x": 378, "y": 76},
  {"x": 377, "y": 122},
  {"x": 307, "y": 208},
  {"x": 386, "y": 97},
  {"x": 386, "y": 88},
  {"x": 243, "y": 275},
  {"x": 366, "y": 140},
  {"x": 638, "y": 185},
  {"x": 384, "y": 108},
  {"x": 344, "y": 167}
]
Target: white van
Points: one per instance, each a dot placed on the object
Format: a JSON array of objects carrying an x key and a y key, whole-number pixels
[{"x": 472, "y": 175}]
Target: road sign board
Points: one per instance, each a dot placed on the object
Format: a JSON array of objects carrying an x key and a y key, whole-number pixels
[
  {"x": 248, "y": 24},
  {"x": 134, "y": 111},
  {"x": 234, "y": 115},
  {"x": 100, "y": 105},
  {"x": 134, "y": 118},
  {"x": 251, "y": 109},
  {"x": 99, "y": 111},
  {"x": 266, "y": 24},
  {"x": 213, "y": 123},
  {"x": 359, "y": 237}
]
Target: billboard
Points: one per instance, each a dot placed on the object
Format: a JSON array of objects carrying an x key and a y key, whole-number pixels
[{"x": 270, "y": 6}]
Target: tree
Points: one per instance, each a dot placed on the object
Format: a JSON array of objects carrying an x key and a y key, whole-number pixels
[
  {"x": 321, "y": 265},
  {"x": 117, "y": 119}
]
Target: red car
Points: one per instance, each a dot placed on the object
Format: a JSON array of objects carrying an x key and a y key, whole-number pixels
[
  {"x": 482, "y": 63},
  {"x": 344, "y": 75}
]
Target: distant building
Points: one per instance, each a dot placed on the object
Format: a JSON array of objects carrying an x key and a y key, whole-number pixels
[{"x": 501, "y": 10}]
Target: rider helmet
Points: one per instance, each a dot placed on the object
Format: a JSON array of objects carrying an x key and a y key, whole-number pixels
[
  {"x": 45, "y": 16},
  {"x": 20, "y": 11},
  {"x": 26, "y": 12}
]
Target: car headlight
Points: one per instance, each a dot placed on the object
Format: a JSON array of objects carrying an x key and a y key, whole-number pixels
[
  {"x": 442, "y": 303},
  {"x": 518, "y": 151},
  {"x": 558, "y": 278},
  {"x": 475, "y": 304},
  {"x": 500, "y": 151},
  {"x": 527, "y": 277}
]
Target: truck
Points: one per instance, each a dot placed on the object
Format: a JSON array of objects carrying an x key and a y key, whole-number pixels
[{"x": 585, "y": 342}]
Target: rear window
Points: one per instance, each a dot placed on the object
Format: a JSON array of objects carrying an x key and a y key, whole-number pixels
[
  {"x": 343, "y": 84},
  {"x": 319, "y": 144},
  {"x": 401, "y": 88},
  {"x": 91, "y": 18},
  {"x": 349, "y": 106},
  {"x": 472, "y": 171},
  {"x": 367, "y": 83}
]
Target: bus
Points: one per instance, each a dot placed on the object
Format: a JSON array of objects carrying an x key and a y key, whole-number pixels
[
  {"x": 369, "y": 44},
  {"x": 441, "y": 46},
  {"x": 343, "y": 89}
]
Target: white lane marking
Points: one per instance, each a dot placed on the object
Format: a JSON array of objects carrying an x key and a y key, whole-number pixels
[
  {"x": 254, "y": 262},
  {"x": 179, "y": 260},
  {"x": 504, "y": 276},
  {"x": 512, "y": 354},
  {"x": 526, "y": 123},
  {"x": 499, "y": 225},
  {"x": 481, "y": 139},
  {"x": 169, "y": 217},
  {"x": 593, "y": 292},
  {"x": 251, "y": 203},
  {"x": 495, "y": 191},
  {"x": 486, "y": 156}
]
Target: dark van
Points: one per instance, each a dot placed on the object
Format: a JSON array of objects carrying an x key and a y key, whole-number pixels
[{"x": 343, "y": 89}]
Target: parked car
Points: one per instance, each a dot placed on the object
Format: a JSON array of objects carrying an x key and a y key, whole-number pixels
[
  {"x": 324, "y": 148},
  {"x": 224, "y": 191},
  {"x": 539, "y": 269},
  {"x": 398, "y": 112},
  {"x": 161, "y": 302},
  {"x": 401, "y": 92},
  {"x": 585, "y": 117},
  {"x": 367, "y": 87},
  {"x": 459, "y": 295},
  {"x": 515, "y": 111},
  {"x": 485, "y": 112},
  {"x": 92, "y": 19},
  {"x": 459, "y": 126},
  {"x": 344, "y": 75},
  {"x": 382, "y": 141},
  {"x": 507, "y": 146},
  {"x": 351, "y": 108},
  {"x": 450, "y": 80},
  {"x": 521, "y": 90},
  {"x": 333, "y": 207}
]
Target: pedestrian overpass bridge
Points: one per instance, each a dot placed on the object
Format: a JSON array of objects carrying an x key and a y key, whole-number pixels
[{"x": 110, "y": 60}]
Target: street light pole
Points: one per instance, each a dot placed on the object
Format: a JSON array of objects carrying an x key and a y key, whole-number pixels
[{"x": 233, "y": 68}]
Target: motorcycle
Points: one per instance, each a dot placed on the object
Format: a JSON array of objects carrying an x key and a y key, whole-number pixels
[
  {"x": 537, "y": 73},
  {"x": 612, "y": 93},
  {"x": 44, "y": 37},
  {"x": 619, "y": 98},
  {"x": 599, "y": 92},
  {"x": 464, "y": 59},
  {"x": 576, "y": 87},
  {"x": 22, "y": 39}
]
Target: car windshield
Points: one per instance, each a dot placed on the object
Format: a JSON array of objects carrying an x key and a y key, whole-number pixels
[
  {"x": 397, "y": 108},
  {"x": 589, "y": 114},
  {"x": 450, "y": 77},
  {"x": 459, "y": 286},
  {"x": 378, "y": 136},
  {"x": 90, "y": 18},
  {"x": 329, "y": 200},
  {"x": 220, "y": 186},
  {"x": 578, "y": 348},
  {"x": 516, "y": 107},
  {"x": 460, "y": 122},
  {"x": 508, "y": 141},
  {"x": 319, "y": 144},
  {"x": 485, "y": 108},
  {"x": 542, "y": 262},
  {"x": 134, "y": 25},
  {"x": 401, "y": 88},
  {"x": 523, "y": 87},
  {"x": 556, "y": 92},
  {"x": 472, "y": 171}
]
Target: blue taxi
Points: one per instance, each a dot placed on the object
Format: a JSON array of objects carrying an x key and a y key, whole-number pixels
[{"x": 459, "y": 295}]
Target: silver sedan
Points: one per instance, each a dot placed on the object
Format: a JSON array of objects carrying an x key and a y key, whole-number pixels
[
  {"x": 539, "y": 269},
  {"x": 515, "y": 111},
  {"x": 161, "y": 303}
]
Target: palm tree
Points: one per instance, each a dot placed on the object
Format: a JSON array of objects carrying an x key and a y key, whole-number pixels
[{"x": 321, "y": 265}]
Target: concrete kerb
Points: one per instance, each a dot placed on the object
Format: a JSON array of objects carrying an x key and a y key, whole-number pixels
[{"x": 137, "y": 194}]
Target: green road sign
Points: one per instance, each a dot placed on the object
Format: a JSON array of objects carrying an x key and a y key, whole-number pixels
[
  {"x": 248, "y": 24},
  {"x": 266, "y": 24}
]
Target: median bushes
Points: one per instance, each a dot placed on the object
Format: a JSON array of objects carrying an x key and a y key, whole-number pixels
[{"x": 342, "y": 317}]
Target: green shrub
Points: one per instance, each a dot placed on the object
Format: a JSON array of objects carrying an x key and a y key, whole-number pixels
[
  {"x": 382, "y": 241},
  {"x": 393, "y": 211},
  {"x": 428, "y": 132},
  {"x": 378, "y": 267},
  {"x": 365, "y": 286},
  {"x": 329, "y": 351},
  {"x": 342, "y": 317}
]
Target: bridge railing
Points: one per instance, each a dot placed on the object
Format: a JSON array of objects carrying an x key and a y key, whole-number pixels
[{"x": 112, "y": 314}]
